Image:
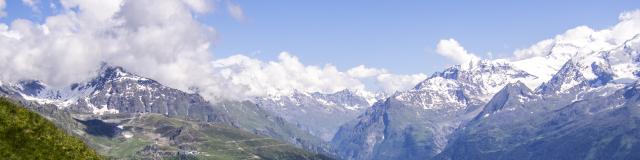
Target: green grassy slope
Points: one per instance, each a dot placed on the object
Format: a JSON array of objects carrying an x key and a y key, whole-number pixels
[
  {"x": 154, "y": 135},
  {"x": 27, "y": 135}
]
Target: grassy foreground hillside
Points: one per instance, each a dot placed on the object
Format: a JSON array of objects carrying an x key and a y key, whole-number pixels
[{"x": 27, "y": 135}]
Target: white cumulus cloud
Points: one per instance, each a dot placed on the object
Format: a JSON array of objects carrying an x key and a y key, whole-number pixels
[
  {"x": 393, "y": 82},
  {"x": 161, "y": 40},
  {"x": 451, "y": 49},
  {"x": 283, "y": 76},
  {"x": 157, "y": 39},
  {"x": 362, "y": 71},
  {"x": 385, "y": 81},
  {"x": 288, "y": 74},
  {"x": 583, "y": 39}
]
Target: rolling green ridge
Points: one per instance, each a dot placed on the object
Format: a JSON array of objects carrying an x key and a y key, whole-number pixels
[{"x": 155, "y": 135}]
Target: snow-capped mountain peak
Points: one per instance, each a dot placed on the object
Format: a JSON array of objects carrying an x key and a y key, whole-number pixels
[
  {"x": 490, "y": 75},
  {"x": 453, "y": 86},
  {"x": 118, "y": 74},
  {"x": 81, "y": 93}
]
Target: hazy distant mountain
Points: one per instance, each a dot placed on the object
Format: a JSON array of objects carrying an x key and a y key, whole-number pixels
[{"x": 320, "y": 114}]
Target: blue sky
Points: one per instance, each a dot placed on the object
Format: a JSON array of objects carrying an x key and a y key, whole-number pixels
[{"x": 398, "y": 36}]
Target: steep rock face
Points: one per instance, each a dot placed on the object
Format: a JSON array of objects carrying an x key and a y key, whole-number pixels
[
  {"x": 416, "y": 124},
  {"x": 510, "y": 98},
  {"x": 318, "y": 113}
]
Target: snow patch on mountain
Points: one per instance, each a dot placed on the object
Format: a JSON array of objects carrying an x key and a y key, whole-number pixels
[{"x": 99, "y": 110}]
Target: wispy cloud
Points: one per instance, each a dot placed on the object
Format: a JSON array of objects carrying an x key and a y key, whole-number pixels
[
  {"x": 200, "y": 6},
  {"x": 3, "y": 5},
  {"x": 235, "y": 11},
  {"x": 33, "y": 4}
]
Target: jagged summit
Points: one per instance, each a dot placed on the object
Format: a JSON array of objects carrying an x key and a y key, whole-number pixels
[
  {"x": 567, "y": 77},
  {"x": 117, "y": 73},
  {"x": 510, "y": 98}
]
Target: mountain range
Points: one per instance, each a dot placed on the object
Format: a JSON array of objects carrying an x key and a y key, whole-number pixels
[
  {"x": 114, "y": 101},
  {"x": 535, "y": 108},
  {"x": 570, "y": 103}
]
